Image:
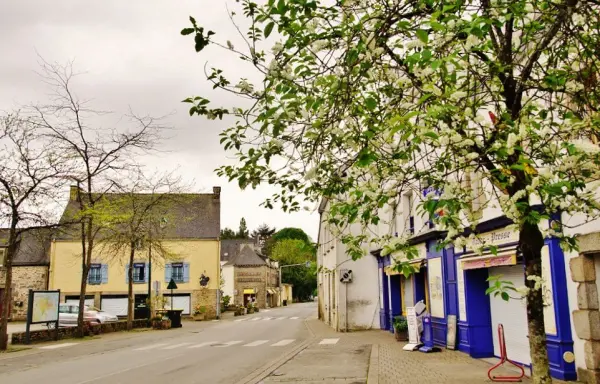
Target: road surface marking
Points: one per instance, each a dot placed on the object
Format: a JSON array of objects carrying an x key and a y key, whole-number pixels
[
  {"x": 294, "y": 318},
  {"x": 283, "y": 342},
  {"x": 229, "y": 343},
  {"x": 267, "y": 318},
  {"x": 203, "y": 344},
  {"x": 57, "y": 346},
  {"x": 177, "y": 346},
  {"x": 256, "y": 343},
  {"x": 256, "y": 319},
  {"x": 149, "y": 347},
  {"x": 280, "y": 318},
  {"x": 329, "y": 341},
  {"x": 266, "y": 310},
  {"x": 240, "y": 320}
]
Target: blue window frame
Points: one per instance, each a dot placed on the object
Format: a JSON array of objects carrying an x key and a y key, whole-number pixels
[
  {"x": 95, "y": 274},
  {"x": 177, "y": 272},
  {"x": 139, "y": 272}
]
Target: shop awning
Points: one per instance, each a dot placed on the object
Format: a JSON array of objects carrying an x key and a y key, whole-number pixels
[
  {"x": 414, "y": 262},
  {"x": 505, "y": 257},
  {"x": 272, "y": 291},
  {"x": 249, "y": 291}
]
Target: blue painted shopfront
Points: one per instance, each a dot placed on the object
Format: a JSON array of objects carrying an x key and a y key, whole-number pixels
[{"x": 475, "y": 333}]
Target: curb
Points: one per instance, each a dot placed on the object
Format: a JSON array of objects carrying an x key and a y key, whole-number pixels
[{"x": 373, "y": 373}]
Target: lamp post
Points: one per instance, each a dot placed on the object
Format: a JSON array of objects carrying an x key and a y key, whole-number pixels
[{"x": 306, "y": 264}]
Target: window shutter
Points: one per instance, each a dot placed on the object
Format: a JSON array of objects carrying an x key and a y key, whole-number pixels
[
  {"x": 104, "y": 273},
  {"x": 168, "y": 272},
  {"x": 186, "y": 272},
  {"x": 127, "y": 274},
  {"x": 145, "y": 272}
]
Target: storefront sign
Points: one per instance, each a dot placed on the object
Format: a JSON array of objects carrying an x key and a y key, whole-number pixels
[
  {"x": 249, "y": 280},
  {"x": 490, "y": 261},
  {"x": 460, "y": 282},
  {"x": 436, "y": 291},
  {"x": 497, "y": 237}
]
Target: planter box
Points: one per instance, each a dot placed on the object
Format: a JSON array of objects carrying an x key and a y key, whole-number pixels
[
  {"x": 162, "y": 324},
  {"x": 200, "y": 317},
  {"x": 401, "y": 335}
]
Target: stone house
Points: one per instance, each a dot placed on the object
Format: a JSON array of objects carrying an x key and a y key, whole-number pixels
[
  {"x": 248, "y": 275},
  {"x": 30, "y": 269},
  {"x": 191, "y": 235}
]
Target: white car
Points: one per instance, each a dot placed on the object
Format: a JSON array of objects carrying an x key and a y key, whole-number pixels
[
  {"x": 67, "y": 315},
  {"x": 101, "y": 316}
]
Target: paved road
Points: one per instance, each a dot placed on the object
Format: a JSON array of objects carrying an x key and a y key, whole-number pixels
[{"x": 207, "y": 352}]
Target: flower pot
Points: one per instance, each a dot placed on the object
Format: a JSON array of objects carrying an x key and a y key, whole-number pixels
[
  {"x": 200, "y": 317},
  {"x": 401, "y": 335}
]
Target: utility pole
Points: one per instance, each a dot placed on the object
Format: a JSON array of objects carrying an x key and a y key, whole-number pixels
[{"x": 150, "y": 281}]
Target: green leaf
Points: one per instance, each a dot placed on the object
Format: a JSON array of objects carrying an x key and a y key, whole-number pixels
[
  {"x": 370, "y": 103},
  {"x": 436, "y": 64},
  {"x": 187, "y": 31},
  {"x": 422, "y": 35},
  {"x": 505, "y": 296},
  {"x": 269, "y": 29}
]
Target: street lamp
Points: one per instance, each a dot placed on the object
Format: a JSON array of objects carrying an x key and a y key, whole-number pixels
[{"x": 306, "y": 264}]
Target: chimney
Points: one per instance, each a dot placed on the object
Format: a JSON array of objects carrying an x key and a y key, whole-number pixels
[
  {"x": 73, "y": 192},
  {"x": 216, "y": 192}
]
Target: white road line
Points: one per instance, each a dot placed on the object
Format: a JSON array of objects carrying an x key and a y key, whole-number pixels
[
  {"x": 177, "y": 346},
  {"x": 266, "y": 310},
  {"x": 267, "y": 318},
  {"x": 256, "y": 319},
  {"x": 149, "y": 347},
  {"x": 238, "y": 320},
  {"x": 229, "y": 343},
  {"x": 57, "y": 346},
  {"x": 329, "y": 341},
  {"x": 283, "y": 342},
  {"x": 280, "y": 318},
  {"x": 255, "y": 343},
  {"x": 294, "y": 318},
  {"x": 203, "y": 344}
]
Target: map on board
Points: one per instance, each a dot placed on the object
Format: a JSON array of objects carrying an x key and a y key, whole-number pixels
[{"x": 45, "y": 307}]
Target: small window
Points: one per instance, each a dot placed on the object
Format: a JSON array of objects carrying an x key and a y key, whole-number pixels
[
  {"x": 177, "y": 272},
  {"x": 139, "y": 272},
  {"x": 95, "y": 275}
]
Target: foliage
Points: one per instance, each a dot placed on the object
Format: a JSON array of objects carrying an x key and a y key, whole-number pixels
[
  {"x": 469, "y": 105},
  {"x": 400, "y": 324},
  {"x": 226, "y": 300},
  {"x": 304, "y": 280},
  {"x": 263, "y": 231},
  {"x": 242, "y": 232},
  {"x": 199, "y": 309},
  {"x": 227, "y": 233},
  {"x": 285, "y": 233}
]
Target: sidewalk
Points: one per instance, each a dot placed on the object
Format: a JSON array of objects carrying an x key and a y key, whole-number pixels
[{"x": 390, "y": 364}]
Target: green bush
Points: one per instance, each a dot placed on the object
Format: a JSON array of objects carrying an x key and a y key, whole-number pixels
[{"x": 400, "y": 324}]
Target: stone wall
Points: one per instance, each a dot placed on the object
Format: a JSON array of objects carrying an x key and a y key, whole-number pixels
[
  {"x": 586, "y": 319},
  {"x": 207, "y": 298},
  {"x": 251, "y": 278},
  {"x": 24, "y": 279},
  {"x": 40, "y": 336}
]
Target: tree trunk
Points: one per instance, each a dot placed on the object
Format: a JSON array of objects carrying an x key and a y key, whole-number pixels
[
  {"x": 130, "y": 288},
  {"x": 86, "y": 260},
  {"x": 531, "y": 243},
  {"x": 7, "y": 297}
]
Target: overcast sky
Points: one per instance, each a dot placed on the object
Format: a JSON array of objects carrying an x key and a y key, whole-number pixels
[{"x": 134, "y": 56}]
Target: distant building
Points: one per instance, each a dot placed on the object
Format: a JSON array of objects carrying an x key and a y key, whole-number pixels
[
  {"x": 248, "y": 275},
  {"x": 30, "y": 269}
]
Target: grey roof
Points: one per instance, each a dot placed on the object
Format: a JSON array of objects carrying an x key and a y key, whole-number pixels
[
  {"x": 188, "y": 215},
  {"x": 33, "y": 249},
  {"x": 247, "y": 257},
  {"x": 231, "y": 247}
]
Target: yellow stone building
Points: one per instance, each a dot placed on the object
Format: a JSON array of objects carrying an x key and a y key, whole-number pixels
[{"x": 192, "y": 238}]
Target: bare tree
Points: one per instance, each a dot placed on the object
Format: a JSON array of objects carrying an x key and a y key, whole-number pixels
[
  {"x": 138, "y": 216},
  {"x": 31, "y": 175},
  {"x": 99, "y": 154}
]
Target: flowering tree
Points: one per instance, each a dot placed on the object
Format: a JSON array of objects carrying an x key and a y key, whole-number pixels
[{"x": 360, "y": 100}]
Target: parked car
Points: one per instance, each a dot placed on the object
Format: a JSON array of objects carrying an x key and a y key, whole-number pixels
[
  {"x": 67, "y": 315},
  {"x": 101, "y": 316}
]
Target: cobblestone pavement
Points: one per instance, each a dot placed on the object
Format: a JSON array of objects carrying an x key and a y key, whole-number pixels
[{"x": 390, "y": 364}]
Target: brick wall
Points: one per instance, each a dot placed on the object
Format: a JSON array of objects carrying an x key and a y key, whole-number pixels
[
  {"x": 207, "y": 298},
  {"x": 66, "y": 333},
  {"x": 24, "y": 279}
]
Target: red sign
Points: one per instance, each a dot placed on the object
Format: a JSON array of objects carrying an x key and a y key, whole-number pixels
[{"x": 493, "y": 261}]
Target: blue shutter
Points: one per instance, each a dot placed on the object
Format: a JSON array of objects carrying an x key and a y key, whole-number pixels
[
  {"x": 186, "y": 272},
  {"x": 127, "y": 274},
  {"x": 104, "y": 273},
  {"x": 168, "y": 272},
  {"x": 145, "y": 272}
]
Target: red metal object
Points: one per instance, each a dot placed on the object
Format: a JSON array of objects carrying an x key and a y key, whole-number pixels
[{"x": 503, "y": 359}]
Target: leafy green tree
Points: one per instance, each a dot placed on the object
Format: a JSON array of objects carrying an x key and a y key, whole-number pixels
[
  {"x": 363, "y": 100},
  {"x": 242, "y": 232},
  {"x": 227, "y": 233},
  {"x": 294, "y": 251},
  {"x": 285, "y": 233}
]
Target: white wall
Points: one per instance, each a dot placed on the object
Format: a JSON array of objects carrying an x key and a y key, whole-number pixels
[{"x": 228, "y": 278}]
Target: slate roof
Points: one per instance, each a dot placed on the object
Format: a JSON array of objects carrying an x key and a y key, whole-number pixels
[
  {"x": 188, "y": 216},
  {"x": 247, "y": 257},
  {"x": 33, "y": 249},
  {"x": 231, "y": 247}
]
